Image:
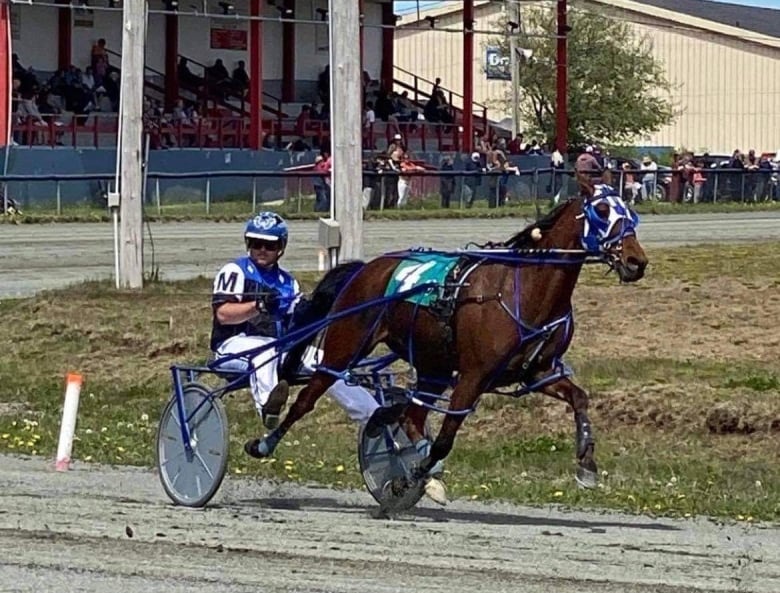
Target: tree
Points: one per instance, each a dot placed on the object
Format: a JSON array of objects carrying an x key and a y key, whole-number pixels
[{"x": 617, "y": 91}]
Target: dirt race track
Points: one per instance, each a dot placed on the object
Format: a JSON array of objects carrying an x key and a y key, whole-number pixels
[{"x": 99, "y": 529}]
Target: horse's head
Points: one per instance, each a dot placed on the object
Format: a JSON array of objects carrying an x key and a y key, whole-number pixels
[{"x": 610, "y": 229}]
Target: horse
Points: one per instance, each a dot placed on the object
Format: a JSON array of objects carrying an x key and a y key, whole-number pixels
[{"x": 506, "y": 320}]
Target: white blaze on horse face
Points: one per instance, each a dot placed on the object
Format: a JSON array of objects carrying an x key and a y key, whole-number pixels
[{"x": 408, "y": 277}]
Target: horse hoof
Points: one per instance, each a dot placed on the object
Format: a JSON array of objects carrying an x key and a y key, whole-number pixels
[
  {"x": 257, "y": 448},
  {"x": 436, "y": 491},
  {"x": 586, "y": 478}
]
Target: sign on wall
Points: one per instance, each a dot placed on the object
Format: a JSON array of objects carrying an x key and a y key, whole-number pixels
[
  {"x": 83, "y": 17},
  {"x": 227, "y": 35},
  {"x": 497, "y": 65}
]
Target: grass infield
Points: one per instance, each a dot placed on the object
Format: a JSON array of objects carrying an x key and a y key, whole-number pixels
[{"x": 683, "y": 371}]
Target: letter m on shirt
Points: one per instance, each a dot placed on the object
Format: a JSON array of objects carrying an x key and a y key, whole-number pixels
[{"x": 226, "y": 283}]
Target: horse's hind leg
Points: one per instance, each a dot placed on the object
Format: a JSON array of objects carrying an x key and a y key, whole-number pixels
[
  {"x": 575, "y": 396},
  {"x": 462, "y": 399},
  {"x": 304, "y": 403}
]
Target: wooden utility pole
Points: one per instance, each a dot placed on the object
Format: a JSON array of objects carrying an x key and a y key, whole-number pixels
[
  {"x": 346, "y": 116},
  {"x": 130, "y": 144},
  {"x": 513, "y": 13}
]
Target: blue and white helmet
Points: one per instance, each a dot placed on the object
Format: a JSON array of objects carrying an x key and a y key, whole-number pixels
[{"x": 267, "y": 225}]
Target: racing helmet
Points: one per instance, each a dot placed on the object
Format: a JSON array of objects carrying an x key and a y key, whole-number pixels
[{"x": 266, "y": 225}]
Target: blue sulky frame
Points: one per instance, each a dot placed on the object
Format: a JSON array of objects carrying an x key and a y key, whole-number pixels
[{"x": 237, "y": 369}]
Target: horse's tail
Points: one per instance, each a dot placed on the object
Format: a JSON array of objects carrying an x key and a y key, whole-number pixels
[{"x": 316, "y": 309}]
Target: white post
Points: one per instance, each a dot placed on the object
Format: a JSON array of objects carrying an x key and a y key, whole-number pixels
[
  {"x": 68, "y": 427},
  {"x": 131, "y": 133},
  {"x": 345, "y": 126}
]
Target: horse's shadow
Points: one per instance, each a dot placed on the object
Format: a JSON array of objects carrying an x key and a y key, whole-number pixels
[{"x": 443, "y": 515}]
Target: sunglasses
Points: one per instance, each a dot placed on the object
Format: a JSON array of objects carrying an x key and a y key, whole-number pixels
[{"x": 264, "y": 244}]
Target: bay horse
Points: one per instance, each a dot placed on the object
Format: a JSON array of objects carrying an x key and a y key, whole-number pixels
[{"x": 508, "y": 323}]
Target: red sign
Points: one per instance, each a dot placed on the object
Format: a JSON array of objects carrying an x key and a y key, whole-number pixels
[{"x": 228, "y": 39}]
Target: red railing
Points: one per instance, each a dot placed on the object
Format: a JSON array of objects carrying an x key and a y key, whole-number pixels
[{"x": 99, "y": 130}]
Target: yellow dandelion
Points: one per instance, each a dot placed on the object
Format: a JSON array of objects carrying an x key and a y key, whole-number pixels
[
  {"x": 558, "y": 493},
  {"x": 4, "y": 436},
  {"x": 339, "y": 469},
  {"x": 238, "y": 471}
]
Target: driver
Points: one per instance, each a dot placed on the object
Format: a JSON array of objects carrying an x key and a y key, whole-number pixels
[{"x": 253, "y": 301}]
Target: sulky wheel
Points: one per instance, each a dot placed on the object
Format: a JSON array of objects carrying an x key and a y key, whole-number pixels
[
  {"x": 389, "y": 459},
  {"x": 191, "y": 478}
]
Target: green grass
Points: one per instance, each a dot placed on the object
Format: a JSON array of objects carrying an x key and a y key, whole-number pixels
[{"x": 652, "y": 409}]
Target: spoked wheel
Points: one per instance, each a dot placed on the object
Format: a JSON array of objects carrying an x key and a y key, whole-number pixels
[
  {"x": 191, "y": 478},
  {"x": 386, "y": 459}
]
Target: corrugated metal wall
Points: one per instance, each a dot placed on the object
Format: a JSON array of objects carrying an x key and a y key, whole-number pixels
[{"x": 727, "y": 89}]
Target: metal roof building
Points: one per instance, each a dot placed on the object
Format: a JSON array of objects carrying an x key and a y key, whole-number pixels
[{"x": 723, "y": 61}]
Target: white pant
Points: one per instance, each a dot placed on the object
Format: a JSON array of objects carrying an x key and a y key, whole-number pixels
[
  {"x": 355, "y": 400},
  {"x": 403, "y": 191}
]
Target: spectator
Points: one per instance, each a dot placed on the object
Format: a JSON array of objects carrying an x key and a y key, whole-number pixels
[
  {"x": 323, "y": 85},
  {"x": 649, "y": 169},
  {"x": 187, "y": 79},
  {"x": 436, "y": 86},
  {"x": 88, "y": 79},
  {"x": 699, "y": 180},
  {"x": 446, "y": 183},
  {"x": 322, "y": 164},
  {"x": 397, "y": 143},
  {"x": 764, "y": 174},
  {"x": 631, "y": 187},
  {"x": 240, "y": 79},
  {"x": 587, "y": 164},
  {"x": 302, "y": 121},
  {"x": 383, "y": 107},
  {"x": 218, "y": 80},
  {"x": 392, "y": 168},
  {"x": 405, "y": 109},
  {"x": 517, "y": 145},
  {"x": 558, "y": 164},
  {"x": 535, "y": 148},
  {"x": 99, "y": 53},
  {"x": 369, "y": 118},
  {"x": 472, "y": 178},
  {"x": 405, "y": 181}
]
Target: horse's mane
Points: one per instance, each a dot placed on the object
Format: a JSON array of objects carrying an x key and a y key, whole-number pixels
[{"x": 524, "y": 240}]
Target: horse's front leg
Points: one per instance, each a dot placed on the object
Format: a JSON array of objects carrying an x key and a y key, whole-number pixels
[
  {"x": 304, "y": 403},
  {"x": 575, "y": 396}
]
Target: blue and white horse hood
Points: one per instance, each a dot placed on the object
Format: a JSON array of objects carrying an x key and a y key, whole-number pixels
[{"x": 599, "y": 232}]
